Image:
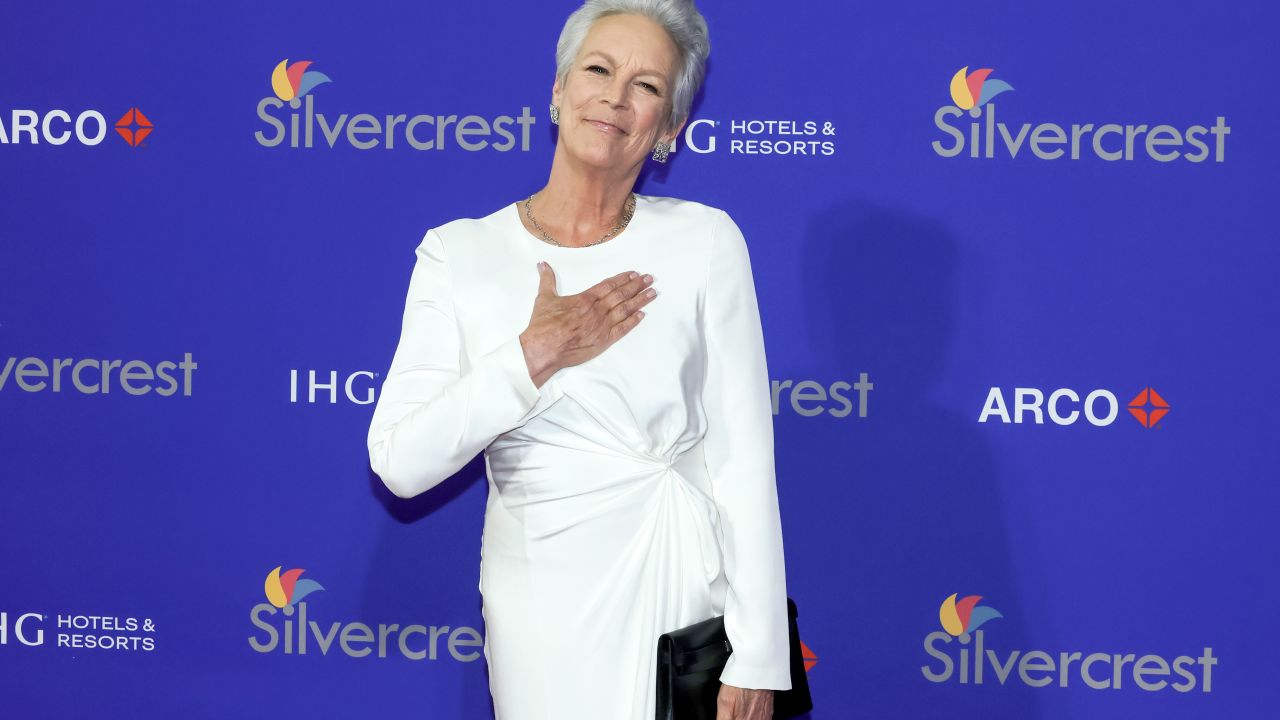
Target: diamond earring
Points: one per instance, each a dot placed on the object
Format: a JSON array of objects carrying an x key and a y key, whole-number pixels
[
  {"x": 555, "y": 114},
  {"x": 660, "y": 151}
]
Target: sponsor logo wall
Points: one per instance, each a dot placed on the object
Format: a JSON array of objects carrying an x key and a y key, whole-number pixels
[{"x": 1016, "y": 273}]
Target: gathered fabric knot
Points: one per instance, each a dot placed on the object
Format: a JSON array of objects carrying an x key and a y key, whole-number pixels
[{"x": 687, "y": 472}]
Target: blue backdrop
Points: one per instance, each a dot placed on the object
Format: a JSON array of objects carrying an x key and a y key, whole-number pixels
[{"x": 1017, "y": 325}]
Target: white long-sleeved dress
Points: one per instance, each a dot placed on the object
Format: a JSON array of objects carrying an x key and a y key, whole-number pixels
[{"x": 630, "y": 495}]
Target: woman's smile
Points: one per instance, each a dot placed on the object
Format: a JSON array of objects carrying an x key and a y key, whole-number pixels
[{"x": 606, "y": 127}]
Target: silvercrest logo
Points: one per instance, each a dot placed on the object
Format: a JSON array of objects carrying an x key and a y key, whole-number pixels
[
  {"x": 1037, "y": 668},
  {"x": 281, "y": 631},
  {"x": 292, "y": 84},
  {"x": 972, "y": 93}
]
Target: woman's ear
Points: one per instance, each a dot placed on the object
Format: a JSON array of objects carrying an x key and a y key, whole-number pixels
[{"x": 670, "y": 138}]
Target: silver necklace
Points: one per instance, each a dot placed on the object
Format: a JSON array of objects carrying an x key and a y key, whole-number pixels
[{"x": 627, "y": 212}]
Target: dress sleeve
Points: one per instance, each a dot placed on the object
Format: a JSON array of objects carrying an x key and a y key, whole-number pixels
[
  {"x": 739, "y": 454},
  {"x": 431, "y": 417}
]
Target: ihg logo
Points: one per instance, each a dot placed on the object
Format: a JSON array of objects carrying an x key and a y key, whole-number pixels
[
  {"x": 26, "y": 629},
  {"x": 358, "y": 387}
]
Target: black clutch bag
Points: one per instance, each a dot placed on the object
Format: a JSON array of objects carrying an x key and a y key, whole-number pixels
[{"x": 691, "y": 659}]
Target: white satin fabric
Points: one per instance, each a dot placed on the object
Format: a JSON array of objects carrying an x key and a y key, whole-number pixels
[{"x": 630, "y": 495}]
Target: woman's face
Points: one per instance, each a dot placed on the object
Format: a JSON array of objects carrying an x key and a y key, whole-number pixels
[{"x": 616, "y": 97}]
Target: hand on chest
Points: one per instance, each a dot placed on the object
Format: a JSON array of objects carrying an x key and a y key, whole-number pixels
[{"x": 665, "y": 345}]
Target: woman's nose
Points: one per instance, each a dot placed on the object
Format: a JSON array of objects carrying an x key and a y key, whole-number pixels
[{"x": 615, "y": 93}]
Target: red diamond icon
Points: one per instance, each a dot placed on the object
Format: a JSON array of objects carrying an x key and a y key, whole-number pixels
[
  {"x": 810, "y": 659},
  {"x": 1148, "y": 407},
  {"x": 134, "y": 126}
]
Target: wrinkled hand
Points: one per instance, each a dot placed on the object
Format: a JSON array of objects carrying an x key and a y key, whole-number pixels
[
  {"x": 735, "y": 703},
  {"x": 571, "y": 329}
]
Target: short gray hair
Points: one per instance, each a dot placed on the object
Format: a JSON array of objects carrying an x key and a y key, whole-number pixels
[{"x": 683, "y": 23}]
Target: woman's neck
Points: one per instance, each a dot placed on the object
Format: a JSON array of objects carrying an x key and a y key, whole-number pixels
[{"x": 579, "y": 205}]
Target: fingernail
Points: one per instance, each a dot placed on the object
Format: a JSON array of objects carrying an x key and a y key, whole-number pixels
[{"x": 541, "y": 266}]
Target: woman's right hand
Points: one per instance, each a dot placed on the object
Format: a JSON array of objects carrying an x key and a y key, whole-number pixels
[{"x": 571, "y": 329}]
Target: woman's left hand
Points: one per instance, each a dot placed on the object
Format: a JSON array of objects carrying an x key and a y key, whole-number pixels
[{"x": 735, "y": 703}]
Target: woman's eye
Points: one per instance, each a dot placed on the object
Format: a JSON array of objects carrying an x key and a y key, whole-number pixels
[
  {"x": 649, "y": 87},
  {"x": 593, "y": 68}
]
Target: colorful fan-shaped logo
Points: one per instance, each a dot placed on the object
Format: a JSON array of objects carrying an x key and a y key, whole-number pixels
[
  {"x": 286, "y": 589},
  {"x": 965, "y": 615},
  {"x": 974, "y": 89},
  {"x": 294, "y": 81}
]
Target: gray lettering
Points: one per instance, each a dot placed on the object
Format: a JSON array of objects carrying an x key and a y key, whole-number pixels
[
  {"x": 468, "y": 126},
  {"x": 1131, "y": 132},
  {"x": 1207, "y": 660},
  {"x": 58, "y": 365},
  {"x": 392, "y": 121},
  {"x": 8, "y": 368},
  {"x": 443, "y": 122},
  {"x": 32, "y": 367},
  {"x": 356, "y": 633},
  {"x": 75, "y": 377},
  {"x": 162, "y": 371},
  {"x": 270, "y": 120},
  {"x": 1014, "y": 143},
  {"x": 1002, "y": 671},
  {"x": 433, "y": 641},
  {"x": 1108, "y": 155},
  {"x": 805, "y": 391},
  {"x": 255, "y": 617},
  {"x": 1162, "y": 135},
  {"x": 1036, "y": 661},
  {"x": 1193, "y": 138},
  {"x": 413, "y": 139},
  {"x": 939, "y": 119},
  {"x": 1141, "y": 670},
  {"x": 500, "y": 126},
  {"x": 863, "y": 386},
  {"x": 846, "y": 407},
  {"x": 1220, "y": 132},
  {"x": 1088, "y": 677},
  {"x": 132, "y": 371},
  {"x": 947, "y": 667},
  {"x": 473, "y": 640},
  {"x": 778, "y": 387},
  {"x": 1076, "y": 132},
  {"x": 331, "y": 134},
  {"x": 363, "y": 124},
  {"x": 107, "y": 367},
  {"x": 1048, "y": 133},
  {"x": 525, "y": 121},
  {"x": 1180, "y": 664},
  {"x": 404, "y": 646},
  {"x": 1064, "y": 664},
  {"x": 1117, "y": 668},
  {"x": 325, "y": 639},
  {"x": 383, "y": 631}
]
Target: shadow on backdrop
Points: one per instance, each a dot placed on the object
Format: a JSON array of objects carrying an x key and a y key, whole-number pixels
[{"x": 912, "y": 507}]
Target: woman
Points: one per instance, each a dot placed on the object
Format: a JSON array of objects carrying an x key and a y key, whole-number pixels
[{"x": 629, "y": 452}]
